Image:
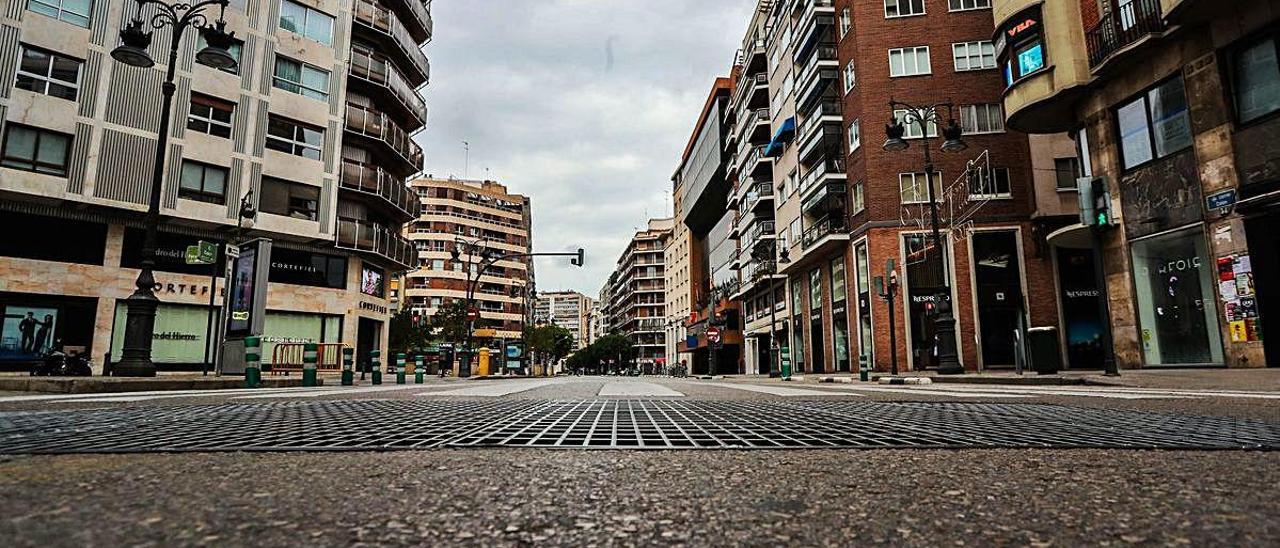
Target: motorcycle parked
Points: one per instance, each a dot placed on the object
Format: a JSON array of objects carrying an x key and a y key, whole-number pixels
[{"x": 56, "y": 363}]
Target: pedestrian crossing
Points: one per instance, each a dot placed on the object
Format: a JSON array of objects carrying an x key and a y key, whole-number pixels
[{"x": 640, "y": 388}]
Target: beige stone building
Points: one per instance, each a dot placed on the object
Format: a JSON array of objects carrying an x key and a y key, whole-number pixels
[
  {"x": 312, "y": 126},
  {"x": 568, "y": 309}
]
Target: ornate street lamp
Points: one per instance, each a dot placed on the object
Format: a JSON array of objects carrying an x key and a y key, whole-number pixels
[
  {"x": 944, "y": 319},
  {"x": 140, "y": 323}
]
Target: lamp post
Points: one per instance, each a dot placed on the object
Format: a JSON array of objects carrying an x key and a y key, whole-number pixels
[
  {"x": 923, "y": 116},
  {"x": 479, "y": 258},
  {"x": 140, "y": 323}
]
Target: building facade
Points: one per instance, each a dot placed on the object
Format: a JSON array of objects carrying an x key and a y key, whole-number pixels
[
  {"x": 568, "y": 309},
  {"x": 311, "y": 127},
  {"x": 1174, "y": 105},
  {"x": 481, "y": 212},
  {"x": 636, "y": 292}
]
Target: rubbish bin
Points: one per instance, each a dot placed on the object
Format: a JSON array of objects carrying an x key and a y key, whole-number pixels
[{"x": 1043, "y": 350}]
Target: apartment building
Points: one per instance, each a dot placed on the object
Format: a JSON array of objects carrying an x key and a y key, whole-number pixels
[
  {"x": 1173, "y": 105},
  {"x": 635, "y": 294},
  {"x": 679, "y": 293},
  {"x": 568, "y": 309},
  {"x": 462, "y": 212},
  {"x": 312, "y": 127}
]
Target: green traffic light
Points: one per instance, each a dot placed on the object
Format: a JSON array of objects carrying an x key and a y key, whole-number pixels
[{"x": 1103, "y": 220}]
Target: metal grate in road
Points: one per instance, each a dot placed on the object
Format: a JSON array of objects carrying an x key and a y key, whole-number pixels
[{"x": 371, "y": 425}]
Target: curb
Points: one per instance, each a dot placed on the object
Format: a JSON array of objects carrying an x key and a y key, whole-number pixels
[
  {"x": 905, "y": 380},
  {"x": 840, "y": 380},
  {"x": 710, "y": 377},
  {"x": 99, "y": 385},
  {"x": 1022, "y": 381}
]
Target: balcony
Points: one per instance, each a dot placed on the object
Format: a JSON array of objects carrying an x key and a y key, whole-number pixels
[
  {"x": 761, "y": 231},
  {"x": 374, "y": 182},
  {"x": 831, "y": 168},
  {"x": 1122, "y": 28},
  {"x": 828, "y": 197},
  {"x": 815, "y": 27},
  {"x": 372, "y": 123},
  {"x": 753, "y": 159},
  {"x": 416, "y": 16},
  {"x": 830, "y": 226},
  {"x": 752, "y": 92},
  {"x": 376, "y": 239},
  {"x": 384, "y": 24},
  {"x": 760, "y": 198},
  {"x": 826, "y": 112},
  {"x": 754, "y": 56},
  {"x": 753, "y": 126},
  {"x": 817, "y": 77},
  {"x": 827, "y": 142},
  {"x": 372, "y": 67}
]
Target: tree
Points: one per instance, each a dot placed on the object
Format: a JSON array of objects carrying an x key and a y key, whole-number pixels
[
  {"x": 450, "y": 322},
  {"x": 549, "y": 343},
  {"x": 406, "y": 335}
]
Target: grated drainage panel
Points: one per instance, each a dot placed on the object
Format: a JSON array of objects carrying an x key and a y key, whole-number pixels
[{"x": 616, "y": 424}]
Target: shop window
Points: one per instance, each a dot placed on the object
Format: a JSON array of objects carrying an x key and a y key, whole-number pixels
[
  {"x": 838, "y": 289},
  {"x": 210, "y": 115},
  {"x": 236, "y": 49},
  {"x": 294, "y": 138},
  {"x": 903, "y": 8},
  {"x": 1175, "y": 285},
  {"x": 815, "y": 290},
  {"x": 301, "y": 78},
  {"x": 75, "y": 12},
  {"x": 290, "y": 199},
  {"x": 31, "y": 149},
  {"x": 1067, "y": 171},
  {"x": 203, "y": 183},
  {"x": 1020, "y": 46},
  {"x": 304, "y": 21},
  {"x": 913, "y": 61},
  {"x": 1256, "y": 74},
  {"x": 48, "y": 73},
  {"x": 912, "y": 187},
  {"x": 294, "y": 267},
  {"x": 1155, "y": 124}
]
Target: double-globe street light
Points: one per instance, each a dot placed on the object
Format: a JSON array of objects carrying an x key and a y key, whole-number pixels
[
  {"x": 135, "y": 39},
  {"x": 479, "y": 258},
  {"x": 922, "y": 117}
]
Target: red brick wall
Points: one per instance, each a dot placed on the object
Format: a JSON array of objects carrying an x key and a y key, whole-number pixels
[{"x": 1090, "y": 13}]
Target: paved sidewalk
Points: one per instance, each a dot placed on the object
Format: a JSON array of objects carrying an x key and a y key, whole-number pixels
[
  {"x": 93, "y": 385},
  {"x": 1178, "y": 379}
]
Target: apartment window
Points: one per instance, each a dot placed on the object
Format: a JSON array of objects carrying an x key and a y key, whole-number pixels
[
  {"x": 975, "y": 119},
  {"x": 850, "y": 77},
  {"x": 913, "y": 130},
  {"x": 903, "y": 8},
  {"x": 75, "y": 12},
  {"x": 855, "y": 135},
  {"x": 913, "y": 190},
  {"x": 294, "y": 138},
  {"x": 1067, "y": 171},
  {"x": 965, "y": 5},
  {"x": 210, "y": 115},
  {"x": 1155, "y": 124},
  {"x": 235, "y": 49},
  {"x": 796, "y": 230},
  {"x": 857, "y": 199},
  {"x": 911, "y": 61},
  {"x": 990, "y": 183},
  {"x": 48, "y": 73},
  {"x": 301, "y": 78},
  {"x": 30, "y": 149},
  {"x": 1256, "y": 75},
  {"x": 979, "y": 55},
  {"x": 203, "y": 183},
  {"x": 838, "y": 290},
  {"x": 290, "y": 199},
  {"x": 313, "y": 24},
  {"x": 846, "y": 22}
]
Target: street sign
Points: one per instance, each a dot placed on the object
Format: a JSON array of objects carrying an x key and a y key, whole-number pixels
[
  {"x": 203, "y": 253},
  {"x": 713, "y": 336}
]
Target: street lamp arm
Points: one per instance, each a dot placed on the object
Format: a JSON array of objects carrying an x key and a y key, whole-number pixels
[{"x": 181, "y": 14}]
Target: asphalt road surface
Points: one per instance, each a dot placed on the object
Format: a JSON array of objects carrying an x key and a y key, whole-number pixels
[{"x": 695, "y": 497}]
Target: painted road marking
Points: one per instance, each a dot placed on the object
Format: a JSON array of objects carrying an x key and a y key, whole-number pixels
[
  {"x": 775, "y": 390},
  {"x": 637, "y": 389},
  {"x": 496, "y": 389}
]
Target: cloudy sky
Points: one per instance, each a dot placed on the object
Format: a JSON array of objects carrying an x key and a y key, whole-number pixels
[{"x": 583, "y": 105}]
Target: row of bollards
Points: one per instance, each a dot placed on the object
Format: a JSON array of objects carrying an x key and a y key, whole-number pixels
[{"x": 310, "y": 360}]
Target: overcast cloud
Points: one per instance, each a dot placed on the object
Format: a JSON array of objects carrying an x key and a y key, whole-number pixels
[{"x": 583, "y": 105}]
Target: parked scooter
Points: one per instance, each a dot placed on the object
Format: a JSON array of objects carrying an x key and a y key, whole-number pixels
[{"x": 57, "y": 363}]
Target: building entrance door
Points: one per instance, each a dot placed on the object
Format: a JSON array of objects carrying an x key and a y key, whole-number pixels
[
  {"x": 998, "y": 276},
  {"x": 1264, "y": 249},
  {"x": 368, "y": 337}
]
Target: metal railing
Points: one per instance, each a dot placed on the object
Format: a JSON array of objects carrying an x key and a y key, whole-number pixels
[
  {"x": 375, "y": 238},
  {"x": 830, "y": 166},
  {"x": 382, "y": 20},
  {"x": 1124, "y": 26},
  {"x": 758, "y": 191},
  {"x": 746, "y": 84},
  {"x": 749, "y": 118},
  {"x": 752, "y": 158},
  {"x": 431, "y": 210},
  {"x": 421, "y": 14},
  {"x": 824, "y": 228},
  {"x": 813, "y": 120},
  {"x": 374, "y": 123},
  {"x": 374, "y": 68},
  {"x": 373, "y": 180}
]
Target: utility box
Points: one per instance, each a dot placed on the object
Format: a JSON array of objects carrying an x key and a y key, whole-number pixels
[{"x": 1043, "y": 350}]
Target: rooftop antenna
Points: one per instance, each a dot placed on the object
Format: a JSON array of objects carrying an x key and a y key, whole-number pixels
[{"x": 466, "y": 155}]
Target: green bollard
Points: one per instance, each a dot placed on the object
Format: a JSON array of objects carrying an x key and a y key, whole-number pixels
[
  {"x": 348, "y": 364},
  {"x": 420, "y": 371},
  {"x": 400, "y": 373},
  {"x": 376, "y": 365},
  {"x": 252, "y": 362},
  {"x": 309, "y": 355},
  {"x": 864, "y": 368}
]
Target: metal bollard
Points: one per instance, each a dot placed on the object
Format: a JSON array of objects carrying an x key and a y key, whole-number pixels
[
  {"x": 375, "y": 365},
  {"x": 400, "y": 373},
  {"x": 421, "y": 370},
  {"x": 252, "y": 362},
  {"x": 864, "y": 368},
  {"x": 309, "y": 356},
  {"x": 348, "y": 363}
]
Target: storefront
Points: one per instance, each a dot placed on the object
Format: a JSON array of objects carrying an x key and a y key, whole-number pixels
[
  {"x": 997, "y": 277},
  {"x": 1175, "y": 286},
  {"x": 34, "y": 324}
]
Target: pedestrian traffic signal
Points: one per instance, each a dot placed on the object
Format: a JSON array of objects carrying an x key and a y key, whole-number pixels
[{"x": 1095, "y": 202}]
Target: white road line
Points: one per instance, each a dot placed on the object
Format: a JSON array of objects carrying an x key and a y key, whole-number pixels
[
  {"x": 341, "y": 391},
  {"x": 775, "y": 390},
  {"x": 1032, "y": 391},
  {"x": 494, "y": 389},
  {"x": 636, "y": 389},
  {"x": 927, "y": 391}
]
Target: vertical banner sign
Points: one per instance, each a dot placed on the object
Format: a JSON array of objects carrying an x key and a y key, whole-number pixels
[
  {"x": 247, "y": 292},
  {"x": 515, "y": 355}
]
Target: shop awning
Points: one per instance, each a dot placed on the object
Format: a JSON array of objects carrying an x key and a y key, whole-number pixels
[{"x": 781, "y": 138}]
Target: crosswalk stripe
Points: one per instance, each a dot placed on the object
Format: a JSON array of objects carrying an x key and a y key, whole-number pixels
[
  {"x": 495, "y": 389},
  {"x": 928, "y": 391},
  {"x": 637, "y": 389},
  {"x": 775, "y": 390}
]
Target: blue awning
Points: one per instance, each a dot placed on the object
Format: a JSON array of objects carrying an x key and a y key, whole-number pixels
[{"x": 781, "y": 138}]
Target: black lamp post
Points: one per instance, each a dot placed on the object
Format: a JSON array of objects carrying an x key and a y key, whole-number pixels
[
  {"x": 944, "y": 319},
  {"x": 140, "y": 323}
]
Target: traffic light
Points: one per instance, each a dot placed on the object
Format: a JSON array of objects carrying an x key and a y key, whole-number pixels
[{"x": 1095, "y": 202}]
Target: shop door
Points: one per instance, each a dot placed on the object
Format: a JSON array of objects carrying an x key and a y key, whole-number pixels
[
  {"x": 368, "y": 335},
  {"x": 1078, "y": 299},
  {"x": 998, "y": 273},
  {"x": 1264, "y": 248}
]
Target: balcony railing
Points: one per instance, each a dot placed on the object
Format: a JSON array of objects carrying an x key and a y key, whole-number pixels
[
  {"x": 830, "y": 166},
  {"x": 374, "y": 181},
  {"x": 757, "y": 193},
  {"x": 826, "y": 193},
  {"x": 752, "y": 158},
  {"x": 814, "y": 119},
  {"x": 421, "y": 16},
  {"x": 372, "y": 123},
  {"x": 1122, "y": 27},
  {"x": 824, "y": 228},
  {"x": 382, "y": 20},
  {"x": 374, "y": 68},
  {"x": 377, "y": 239},
  {"x": 747, "y": 83},
  {"x": 432, "y": 210},
  {"x": 749, "y": 118}
]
